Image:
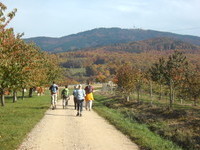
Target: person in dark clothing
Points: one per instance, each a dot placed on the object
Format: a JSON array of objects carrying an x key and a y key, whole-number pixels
[
  {"x": 65, "y": 96},
  {"x": 74, "y": 94}
]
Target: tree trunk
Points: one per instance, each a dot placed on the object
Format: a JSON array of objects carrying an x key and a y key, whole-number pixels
[
  {"x": 14, "y": 96},
  {"x": 171, "y": 94},
  {"x": 160, "y": 96},
  {"x": 2, "y": 99},
  {"x": 111, "y": 89},
  {"x": 195, "y": 102},
  {"x": 151, "y": 92},
  {"x": 181, "y": 101},
  {"x": 138, "y": 95},
  {"x": 127, "y": 98},
  {"x": 30, "y": 92},
  {"x": 23, "y": 93}
]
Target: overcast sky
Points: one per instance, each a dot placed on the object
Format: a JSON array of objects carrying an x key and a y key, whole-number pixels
[{"x": 56, "y": 18}]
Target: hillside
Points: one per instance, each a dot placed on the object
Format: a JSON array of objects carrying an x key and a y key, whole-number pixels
[
  {"x": 104, "y": 36},
  {"x": 156, "y": 44}
]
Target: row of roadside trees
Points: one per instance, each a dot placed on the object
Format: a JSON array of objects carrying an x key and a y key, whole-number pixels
[
  {"x": 22, "y": 65},
  {"x": 174, "y": 74}
]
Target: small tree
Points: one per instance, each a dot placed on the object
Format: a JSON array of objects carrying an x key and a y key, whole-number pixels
[
  {"x": 157, "y": 73},
  {"x": 191, "y": 85},
  {"x": 129, "y": 79},
  {"x": 174, "y": 72},
  {"x": 148, "y": 80},
  {"x": 170, "y": 72},
  {"x": 126, "y": 80},
  {"x": 138, "y": 75}
]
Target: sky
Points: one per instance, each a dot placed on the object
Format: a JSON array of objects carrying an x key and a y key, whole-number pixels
[{"x": 57, "y": 18}]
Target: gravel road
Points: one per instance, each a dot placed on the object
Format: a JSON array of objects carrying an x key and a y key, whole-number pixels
[{"x": 61, "y": 129}]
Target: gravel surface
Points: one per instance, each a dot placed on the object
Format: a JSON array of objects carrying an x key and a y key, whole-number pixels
[{"x": 61, "y": 129}]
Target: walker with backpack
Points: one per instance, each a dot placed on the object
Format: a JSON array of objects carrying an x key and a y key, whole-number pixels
[
  {"x": 65, "y": 97},
  {"x": 53, "y": 89}
]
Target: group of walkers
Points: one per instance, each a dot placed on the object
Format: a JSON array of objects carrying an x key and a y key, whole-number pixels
[{"x": 80, "y": 96}]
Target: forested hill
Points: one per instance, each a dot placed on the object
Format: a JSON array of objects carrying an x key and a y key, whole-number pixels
[
  {"x": 156, "y": 44},
  {"x": 104, "y": 36}
]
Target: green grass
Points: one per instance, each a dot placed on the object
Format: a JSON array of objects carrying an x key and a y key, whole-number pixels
[
  {"x": 164, "y": 102},
  {"x": 139, "y": 133},
  {"x": 17, "y": 119}
]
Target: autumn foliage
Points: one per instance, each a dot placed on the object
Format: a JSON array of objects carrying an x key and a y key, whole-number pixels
[{"x": 22, "y": 65}]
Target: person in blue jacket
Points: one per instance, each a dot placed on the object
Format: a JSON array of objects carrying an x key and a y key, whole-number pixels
[{"x": 80, "y": 97}]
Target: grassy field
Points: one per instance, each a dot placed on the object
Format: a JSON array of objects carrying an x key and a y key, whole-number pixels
[
  {"x": 138, "y": 132},
  {"x": 17, "y": 119},
  {"x": 165, "y": 100},
  {"x": 77, "y": 70}
]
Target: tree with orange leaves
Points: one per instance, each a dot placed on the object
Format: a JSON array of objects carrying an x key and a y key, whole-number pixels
[
  {"x": 6, "y": 44},
  {"x": 127, "y": 80},
  {"x": 22, "y": 65},
  {"x": 190, "y": 85},
  {"x": 170, "y": 72}
]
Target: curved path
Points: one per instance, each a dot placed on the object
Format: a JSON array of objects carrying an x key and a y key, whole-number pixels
[{"x": 61, "y": 130}]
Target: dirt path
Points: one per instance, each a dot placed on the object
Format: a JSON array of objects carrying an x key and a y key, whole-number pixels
[{"x": 62, "y": 130}]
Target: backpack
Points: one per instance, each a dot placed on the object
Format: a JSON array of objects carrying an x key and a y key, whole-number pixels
[
  {"x": 54, "y": 89},
  {"x": 89, "y": 89},
  {"x": 65, "y": 93}
]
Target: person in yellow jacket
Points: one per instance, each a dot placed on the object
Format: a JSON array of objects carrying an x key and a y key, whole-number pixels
[{"x": 89, "y": 96}]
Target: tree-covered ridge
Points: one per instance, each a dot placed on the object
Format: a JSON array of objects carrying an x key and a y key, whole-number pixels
[
  {"x": 158, "y": 44},
  {"x": 102, "y": 65},
  {"x": 102, "y": 37}
]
